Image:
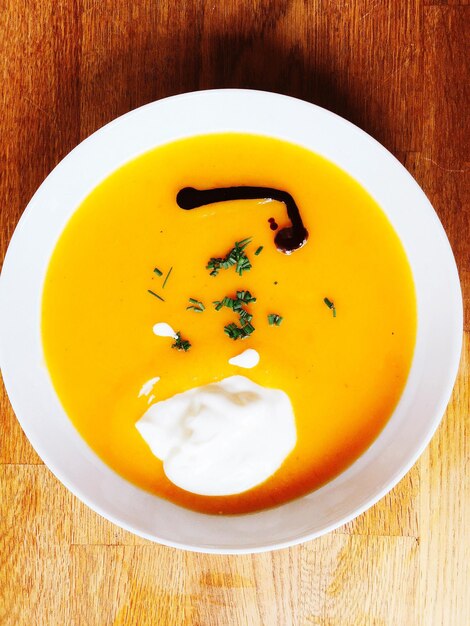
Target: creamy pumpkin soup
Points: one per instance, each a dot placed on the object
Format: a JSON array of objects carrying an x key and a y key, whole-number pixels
[{"x": 229, "y": 321}]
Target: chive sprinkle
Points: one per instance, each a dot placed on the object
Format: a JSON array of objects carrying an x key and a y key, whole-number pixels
[
  {"x": 196, "y": 305},
  {"x": 156, "y": 295},
  {"x": 157, "y": 271},
  {"x": 274, "y": 319},
  {"x": 330, "y": 305},
  {"x": 258, "y": 251},
  {"x": 238, "y": 332},
  {"x": 233, "y": 331},
  {"x": 247, "y": 329},
  {"x": 181, "y": 344},
  {"x": 243, "y": 265},
  {"x": 230, "y": 303},
  {"x": 236, "y": 305},
  {"x": 245, "y": 316},
  {"x": 167, "y": 277},
  {"x": 235, "y": 257},
  {"x": 245, "y": 296}
]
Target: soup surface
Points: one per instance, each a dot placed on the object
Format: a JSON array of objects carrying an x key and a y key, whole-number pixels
[{"x": 343, "y": 363}]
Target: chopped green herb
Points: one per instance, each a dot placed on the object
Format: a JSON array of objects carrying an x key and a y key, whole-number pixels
[
  {"x": 247, "y": 329},
  {"x": 156, "y": 295},
  {"x": 196, "y": 305},
  {"x": 214, "y": 265},
  {"x": 330, "y": 305},
  {"x": 157, "y": 271},
  {"x": 245, "y": 316},
  {"x": 274, "y": 319},
  {"x": 238, "y": 332},
  {"x": 167, "y": 277},
  {"x": 258, "y": 251},
  {"x": 233, "y": 331},
  {"x": 236, "y": 304},
  {"x": 181, "y": 344},
  {"x": 245, "y": 297},
  {"x": 243, "y": 243},
  {"x": 243, "y": 265},
  {"x": 230, "y": 303},
  {"x": 235, "y": 257}
]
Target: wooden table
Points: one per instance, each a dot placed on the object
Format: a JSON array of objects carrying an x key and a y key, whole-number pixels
[{"x": 397, "y": 69}]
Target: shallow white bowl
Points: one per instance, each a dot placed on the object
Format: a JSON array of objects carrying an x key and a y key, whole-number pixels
[{"x": 435, "y": 361}]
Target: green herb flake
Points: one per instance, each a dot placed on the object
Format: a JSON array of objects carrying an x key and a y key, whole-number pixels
[
  {"x": 156, "y": 295},
  {"x": 167, "y": 277},
  {"x": 245, "y": 297},
  {"x": 243, "y": 265},
  {"x": 238, "y": 332},
  {"x": 235, "y": 257},
  {"x": 233, "y": 331},
  {"x": 196, "y": 305},
  {"x": 181, "y": 344},
  {"x": 242, "y": 244},
  {"x": 247, "y": 329},
  {"x": 274, "y": 319},
  {"x": 258, "y": 251},
  {"x": 236, "y": 305},
  {"x": 157, "y": 271},
  {"x": 330, "y": 305},
  {"x": 230, "y": 303},
  {"x": 245, "y": 316},
  {"x": 214, "y": 264}
]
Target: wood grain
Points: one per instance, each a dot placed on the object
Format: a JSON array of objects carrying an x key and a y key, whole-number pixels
[{"x": 400, "y": 70}]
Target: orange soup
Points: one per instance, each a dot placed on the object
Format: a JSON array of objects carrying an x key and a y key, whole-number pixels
[{"x": 342, "y": 351}]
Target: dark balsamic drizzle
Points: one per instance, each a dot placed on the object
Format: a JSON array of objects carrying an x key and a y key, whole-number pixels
[{"x": 287, "y": 239}]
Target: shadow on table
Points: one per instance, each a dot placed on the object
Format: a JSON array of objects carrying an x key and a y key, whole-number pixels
[{"x": 212, "y": 63}]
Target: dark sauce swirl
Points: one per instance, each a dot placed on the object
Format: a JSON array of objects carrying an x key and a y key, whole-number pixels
[{"x": 287, "y": 240}]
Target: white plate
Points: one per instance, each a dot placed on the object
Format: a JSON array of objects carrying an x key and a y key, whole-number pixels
[{"x": 435, "y": 361}]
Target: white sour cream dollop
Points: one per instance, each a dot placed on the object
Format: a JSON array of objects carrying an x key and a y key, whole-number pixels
[
  {"x": 222, "y": 438},
  {"x": 247, "y": 359},
  {"x": 147, "y": 387},
  {"x": 162, "y": 329}
]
